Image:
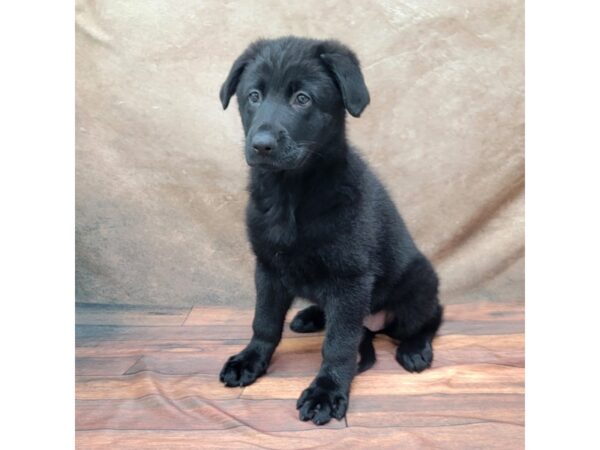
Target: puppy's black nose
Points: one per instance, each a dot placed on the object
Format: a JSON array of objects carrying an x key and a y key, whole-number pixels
[{"x": 264, "y": 142}]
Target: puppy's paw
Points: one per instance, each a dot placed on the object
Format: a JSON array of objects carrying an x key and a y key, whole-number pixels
[
  {"x": 321, "y": 401},
  {"x": 243, "y": 369},
  {"x": 308, "y": 320},
  {"x": 415, "y": 355}
]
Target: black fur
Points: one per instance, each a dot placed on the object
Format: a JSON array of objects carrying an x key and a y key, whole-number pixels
[
  {"x": 366, "y": 351},
  {"x": 321, "y": 224},
  {"x": 308, "y": 320}
]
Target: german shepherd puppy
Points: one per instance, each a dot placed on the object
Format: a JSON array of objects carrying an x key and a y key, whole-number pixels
[{"x": 321, "y": 224}]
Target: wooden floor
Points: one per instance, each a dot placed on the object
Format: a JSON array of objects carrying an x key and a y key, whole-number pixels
[{"x": 148, "y": 378}]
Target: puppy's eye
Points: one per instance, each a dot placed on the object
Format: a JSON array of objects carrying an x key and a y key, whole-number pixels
[
  {"x": 302, "y": 99},
  {"x": 254, "y": 96}
]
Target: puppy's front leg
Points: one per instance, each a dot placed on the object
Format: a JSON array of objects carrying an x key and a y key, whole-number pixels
[
  {"x": 272, "y": 304},
  {"x": 327, "y": 395}
]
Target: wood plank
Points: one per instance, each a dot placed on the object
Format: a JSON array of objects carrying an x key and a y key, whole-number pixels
[
  {"x": 218, "y": 324},
  {"x": 490, "y": 436},
  {"x": 104, "y": 365},
  {"x": 147, "y": 347},
  {"x": 300, "y": 355},
  {"x": 195, "y": 413},
  {"x": 460, "y": 349},
  {"x": 171, "y": 397},
  {"x": 435, "y": 410},
  {"x": 183, "y": 364},
  {"x": 86, "y": 335},
  {"x": 103, "y": 314},
  {"x": 156, "y": 412},
  {"x": 471, "y": 312},
  {"x": 147, "y": 383},
  {"x": 476, "y": 327},
  {"x": 465, "y": 379},
  {"x": 481, "y": 311},
  {"x": 218, "y": 347},
  {"x": 303, "y": 355},
  {"x": 212, "y": 315},
  {"x": 91, "y": 334},
  {"x": 203, "y": 316}
]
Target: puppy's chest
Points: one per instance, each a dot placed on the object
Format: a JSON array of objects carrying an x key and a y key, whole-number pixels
[
  {"x": 282, "y": 236},
  {"x": 272, "y": 224}
]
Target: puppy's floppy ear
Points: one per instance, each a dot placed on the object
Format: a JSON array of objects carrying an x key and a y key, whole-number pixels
[
  {"x": 230, "y": 84},
  {"x": 346, "y": 69}
]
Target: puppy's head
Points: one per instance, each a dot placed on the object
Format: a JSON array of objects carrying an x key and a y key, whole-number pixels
[{"x": 292, "y": 96}]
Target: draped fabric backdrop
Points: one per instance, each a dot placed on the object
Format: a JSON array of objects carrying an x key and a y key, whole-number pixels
[{"x": 160, "y": 172}]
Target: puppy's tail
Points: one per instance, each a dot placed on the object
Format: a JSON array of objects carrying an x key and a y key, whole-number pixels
[{"x": 366, "y": 351}]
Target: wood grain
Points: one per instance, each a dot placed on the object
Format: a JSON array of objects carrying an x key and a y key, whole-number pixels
[
  {"x": 484, "y": 435},
  {"x": 91, "y": 334},
  {"x": 104, "y": 365},
  {"x": 435, "y": 409},
  {"x": 155, "y": 412},
  {"x": 149, "y": 379},
  {"x": 464, "y": 379},
  {"x": 147, "y": 383},
  {"x": 296, "y": 355},
  {"x": 102, "y": 314}
]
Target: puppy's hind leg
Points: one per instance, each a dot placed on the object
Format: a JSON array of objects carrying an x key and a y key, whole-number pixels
[
  {"x": 308, "y": 320},
  {"x": 417, "y": 316},
  {"x": 415, "y": 353}
]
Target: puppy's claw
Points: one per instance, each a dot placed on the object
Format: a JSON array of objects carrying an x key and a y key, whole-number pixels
[
  {"x": 321, "y": 405},
  {"x": 322, "y": 414},
  {"x": 302, "y": 398},
  {"x": 306, "y": 412},
  {"x": 339, "y": 408}
]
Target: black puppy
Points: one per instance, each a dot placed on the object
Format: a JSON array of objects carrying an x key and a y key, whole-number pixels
[{"x": 321, "y": 224}]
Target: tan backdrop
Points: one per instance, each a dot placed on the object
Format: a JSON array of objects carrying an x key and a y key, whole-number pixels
[{"x": 160, "y": 172}]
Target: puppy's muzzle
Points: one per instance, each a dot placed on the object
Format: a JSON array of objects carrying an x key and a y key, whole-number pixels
[{"x": 264, "y": 142}]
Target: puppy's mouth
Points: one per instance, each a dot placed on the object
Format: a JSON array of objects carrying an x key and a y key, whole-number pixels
[{"x": 293, "y": 157}]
